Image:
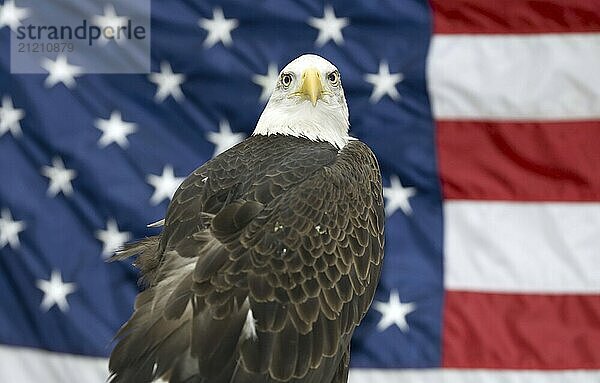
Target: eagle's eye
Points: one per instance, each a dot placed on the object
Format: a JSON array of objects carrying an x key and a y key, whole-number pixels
[
  {"x": 286, "y": 80},
  {"x": 334, "y": 78}
]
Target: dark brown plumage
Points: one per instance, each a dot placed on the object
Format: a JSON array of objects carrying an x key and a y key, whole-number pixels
[{"x": 288, "y": 228}]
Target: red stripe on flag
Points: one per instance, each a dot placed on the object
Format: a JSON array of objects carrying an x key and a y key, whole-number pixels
[
  {"x": 549, "y": 161},
  {"x": 515, "y": 16},
  {"x": 505, "y": 331}
]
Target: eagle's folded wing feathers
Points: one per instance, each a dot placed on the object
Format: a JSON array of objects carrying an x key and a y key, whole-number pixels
[{"x": 301, "y": 248}]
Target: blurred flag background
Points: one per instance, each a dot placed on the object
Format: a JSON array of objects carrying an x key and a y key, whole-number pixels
[{"x": 485, "y": 117}]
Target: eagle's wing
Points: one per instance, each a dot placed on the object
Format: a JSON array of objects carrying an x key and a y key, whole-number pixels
[{"x": 260, "y": 286}]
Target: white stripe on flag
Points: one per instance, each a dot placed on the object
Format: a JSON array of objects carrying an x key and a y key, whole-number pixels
[
  {"x": 472, "y": 376},
  {"x": 540, "y": 77},
  {"x": 25, "y": 365},
  {"x": 522, "y": 247}
]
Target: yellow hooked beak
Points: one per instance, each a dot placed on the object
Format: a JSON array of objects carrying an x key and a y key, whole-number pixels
[{"x": 311, "y": 85}]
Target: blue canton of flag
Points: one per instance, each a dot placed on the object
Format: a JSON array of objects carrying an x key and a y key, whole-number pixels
[{"x": 87, "y": 160}]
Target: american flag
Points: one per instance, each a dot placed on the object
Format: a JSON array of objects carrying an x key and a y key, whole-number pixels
[{"x": 485, "y": 117}]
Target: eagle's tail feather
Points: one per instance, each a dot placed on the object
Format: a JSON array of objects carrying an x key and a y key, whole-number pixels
[
  {"x": 149, "y": 257},
  {"x": 171, "y": 333},
  {"x": 136, "y": 248}
]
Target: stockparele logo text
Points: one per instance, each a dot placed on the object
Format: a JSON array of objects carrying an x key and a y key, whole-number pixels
[
  {"x": 84, "y": 32},
  {"x": 109, "y": 36}
]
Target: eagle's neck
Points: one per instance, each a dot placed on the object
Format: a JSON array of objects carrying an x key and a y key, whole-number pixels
[{"x": 319, "y": 123}]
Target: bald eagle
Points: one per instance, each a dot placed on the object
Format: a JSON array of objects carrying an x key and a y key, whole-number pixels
[{"x": 270, "y": 253}]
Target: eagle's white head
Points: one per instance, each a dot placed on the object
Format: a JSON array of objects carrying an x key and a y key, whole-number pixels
[{"x": 308, "y": 101}]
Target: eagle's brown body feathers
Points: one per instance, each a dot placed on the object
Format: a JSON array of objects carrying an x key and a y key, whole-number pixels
[{"x": 288, "y": 228}]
